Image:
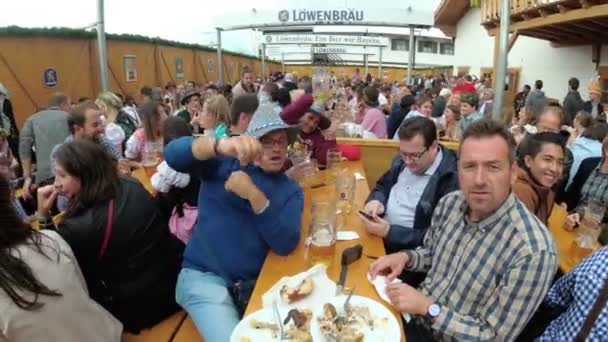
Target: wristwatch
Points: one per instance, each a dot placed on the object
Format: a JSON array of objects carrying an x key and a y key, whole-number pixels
[{"x": 432, "y": 312}]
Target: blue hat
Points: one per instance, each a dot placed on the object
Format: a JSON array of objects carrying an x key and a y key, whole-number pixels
[{"x": 266, "y": 120}]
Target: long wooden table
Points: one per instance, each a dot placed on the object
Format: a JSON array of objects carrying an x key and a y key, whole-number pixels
[
  {"x": 563, "y": 239},
  {"x": 275, "y": 267}
]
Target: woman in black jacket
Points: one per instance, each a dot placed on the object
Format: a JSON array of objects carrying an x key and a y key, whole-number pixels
[{"x": 129, "y": 259}]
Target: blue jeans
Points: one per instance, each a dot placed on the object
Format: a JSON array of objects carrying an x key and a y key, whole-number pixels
[{"x": 207, "y": 300}]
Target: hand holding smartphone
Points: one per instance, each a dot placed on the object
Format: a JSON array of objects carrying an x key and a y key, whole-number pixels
[{"x": 367, "y": 216}]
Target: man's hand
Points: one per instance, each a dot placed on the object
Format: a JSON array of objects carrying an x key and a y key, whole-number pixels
[
  {"x": 407, "y": 299},
  {"x": 378, "y": 226},
  {"x": 245, "y": 148},
  {"x": 572, "y": 221},
  {"x": 46, "y": 198},
  {"x": 27, "y": 184},
  {"x": 392, "y": 263},
  {"x": 240, "y": 184},
  {"x": 374, "y": 208}
]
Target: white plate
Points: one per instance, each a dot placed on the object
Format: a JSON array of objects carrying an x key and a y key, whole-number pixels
[
  {"x": 389, "y": 332},
  {"x": 255, "y": 335}
]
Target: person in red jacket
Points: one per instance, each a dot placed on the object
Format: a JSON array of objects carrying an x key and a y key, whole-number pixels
[{"x": 312, "y": 121}]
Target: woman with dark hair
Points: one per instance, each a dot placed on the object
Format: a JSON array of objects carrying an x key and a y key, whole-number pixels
[
  {"x": 129, "y": 259},
  {"x": 44, "y": 297},
  {"x": 540, "y": 168},
  {"x": 150, "y": 134}
]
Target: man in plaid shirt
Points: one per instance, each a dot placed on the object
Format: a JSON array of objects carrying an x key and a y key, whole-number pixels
[
  {"x": 577, "y": 291},
  {"x": 490, "y": 261}
]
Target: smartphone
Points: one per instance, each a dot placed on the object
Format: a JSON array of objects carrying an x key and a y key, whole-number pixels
[{"x": 367, "y": 216}]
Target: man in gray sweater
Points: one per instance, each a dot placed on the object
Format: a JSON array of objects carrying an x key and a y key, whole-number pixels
[{"x": 42, "y": 131}]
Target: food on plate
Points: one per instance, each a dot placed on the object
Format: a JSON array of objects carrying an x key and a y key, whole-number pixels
[
  {"x": 260, "y": 325},
  {"x": 299, "y": 331},
  {"x": 293, "y": 294},
  {"x": 350, "y": 325},
  {"x": 245, "y": 339}
]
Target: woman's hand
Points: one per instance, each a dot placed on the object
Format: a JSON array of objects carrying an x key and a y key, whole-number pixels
[
  {"x": 572, "y": 221},
  {"x": 46, "y": 199}
]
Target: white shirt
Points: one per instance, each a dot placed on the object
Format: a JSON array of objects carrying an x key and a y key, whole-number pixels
[
  {"x": 406, "y": 193},
  {"x": 382, "y": 100}
]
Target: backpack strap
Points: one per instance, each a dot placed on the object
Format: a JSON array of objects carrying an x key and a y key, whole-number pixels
[{"x": 596, "y": 309}]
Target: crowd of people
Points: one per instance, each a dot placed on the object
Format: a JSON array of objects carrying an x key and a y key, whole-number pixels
[{"x": 465, "y": 230}]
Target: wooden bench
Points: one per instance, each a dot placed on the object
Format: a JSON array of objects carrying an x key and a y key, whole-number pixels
[
  {"x": 164, "y": 331},
  {"x": 377, "y": 155}
]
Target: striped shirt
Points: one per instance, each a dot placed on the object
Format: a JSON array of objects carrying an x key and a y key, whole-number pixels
[
  {"x": 577, "y": 291},
  {"x": 488, "y": 277}
]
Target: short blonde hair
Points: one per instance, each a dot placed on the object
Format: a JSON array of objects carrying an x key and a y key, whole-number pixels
[
  {"x": 218, "y": 105},
  {"x": 108, "y": 100}
]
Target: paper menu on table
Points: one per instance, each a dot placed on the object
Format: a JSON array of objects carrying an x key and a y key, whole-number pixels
[
  {"x": 380, "y": 285},
  {"x": 323, "y": 290}
]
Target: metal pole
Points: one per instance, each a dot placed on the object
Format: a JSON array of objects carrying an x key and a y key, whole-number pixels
[
  {"x": 283, "y": 62},
  {"x": 365, "y": 63},
  {"x": 263, "y": 62},
  {"x": 220, "y": 69},
  {"x": 410, "y": 63},
  {"x": 501, "y": 68},
  {"x": 102, "y": 52},
  {"x": 380, "y": 63}
]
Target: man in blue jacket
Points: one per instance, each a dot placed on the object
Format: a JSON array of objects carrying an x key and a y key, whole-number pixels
[
  {"x": 247, "y": 207},
  {"x": 402, "y": 202}
]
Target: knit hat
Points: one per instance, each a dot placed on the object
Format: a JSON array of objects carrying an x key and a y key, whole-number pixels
[
  {"x": 594, "y": 87},
  {"x": 471, "y": 98},
  {"x": 266, "y": 120},
  {"x": 318, "y": 109}
]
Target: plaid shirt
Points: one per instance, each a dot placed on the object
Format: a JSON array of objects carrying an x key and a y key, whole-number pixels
[
  {"x": 577, "y": 292},
  {"x": 488, "y": 277},
  {"x": 594, "y": 189}
]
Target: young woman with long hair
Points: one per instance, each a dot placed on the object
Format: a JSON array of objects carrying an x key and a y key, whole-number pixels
[
  {"x": 44, "y": 297},
  {"x": 152, "y": 116},
  {"x": 121, "y": 240}
]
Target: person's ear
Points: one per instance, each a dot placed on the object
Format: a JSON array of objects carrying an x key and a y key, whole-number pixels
[
  {"x": 528, "y": 161},
  {"x": 513, "y": 173}
]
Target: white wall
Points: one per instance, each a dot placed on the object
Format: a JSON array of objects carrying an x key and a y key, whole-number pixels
[{"x": 536, "y": 58}]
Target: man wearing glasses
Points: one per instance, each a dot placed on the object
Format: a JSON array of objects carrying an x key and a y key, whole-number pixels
[{"x": 402, "y": 202}]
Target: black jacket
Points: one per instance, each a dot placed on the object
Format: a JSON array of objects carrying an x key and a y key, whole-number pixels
[
  {"x": 438, "y": 107},
  {"x": 573, "y": 194},
  {"x": 394, "y": 120},
  {"x": 588, "y": 107},
  {"x": 573, "y": 103},
  {"x": 442, "y": 182},
  {"x": 141, "y": 262}
]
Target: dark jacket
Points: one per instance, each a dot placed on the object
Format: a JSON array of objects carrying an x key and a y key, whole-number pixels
[
  {"x": 442, "y": 182},
  {"x": 135, "y": 279},
  {"x": 588, "y": 107},
  {"x": 394, "y": 121},
  {"x": 438, "y": 107},
  {"x": 573, "y": 103},
  {"x": 573, "y": 195},
  {"x": 128, "y": 125}
]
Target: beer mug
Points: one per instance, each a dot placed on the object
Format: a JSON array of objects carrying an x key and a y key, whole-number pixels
[
  {"x": 588, "y": 231},
  {"x": 334, "y": 158},
  {"x": 152, "y": 155},
  {"x": 345, "y": 195},
  {"x": 322, "y": 233}
]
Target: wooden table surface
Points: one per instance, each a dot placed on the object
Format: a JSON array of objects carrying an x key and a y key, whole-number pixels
[
  {"x": 563, "y": 239},
  {"x": 142, "y": 177},
  {"x": 275, "y": 267}
]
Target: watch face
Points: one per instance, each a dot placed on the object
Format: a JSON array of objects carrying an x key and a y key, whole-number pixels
[{"x": 434, "y": 310}]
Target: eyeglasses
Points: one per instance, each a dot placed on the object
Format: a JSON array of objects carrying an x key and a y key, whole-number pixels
[
  {"x": 269, "y": 143},
  {"x": 414, "y": 156}
]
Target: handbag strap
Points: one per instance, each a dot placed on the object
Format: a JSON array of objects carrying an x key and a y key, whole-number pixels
[
  {"x": 108, "y": 231},
  {"x": 596, "y": 309}
]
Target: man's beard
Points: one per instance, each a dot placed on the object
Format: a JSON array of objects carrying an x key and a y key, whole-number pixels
[{"x": 96, "y": 139}]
